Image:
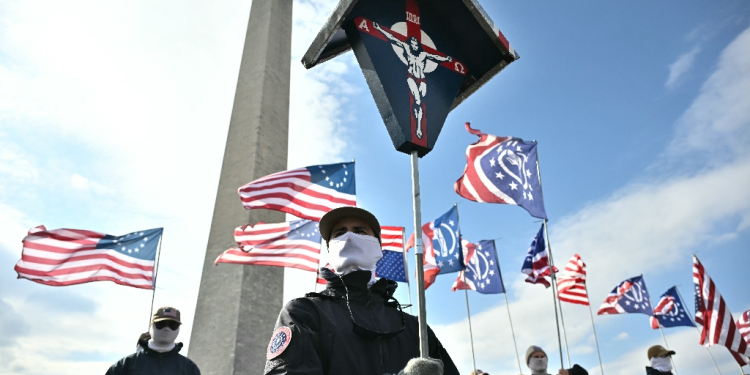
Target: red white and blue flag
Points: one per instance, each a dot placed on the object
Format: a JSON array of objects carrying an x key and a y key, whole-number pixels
[
  {"x": 393, "y": 263},
  {"x": 712, "y": 313},
  {"x": 628, "y": 297},
  {"x": 670, "y": 311},
  {"x": 536, "y": 263},
  {"x": 442, "y": 246},
  {"x": 294, "y": 244},
  {"x": 571, "y": 283},
  {"x": 482, "y": 272},
  {"x": 308, "y": 193},
  {"x": 502, "y": 170},
  {"x": 61, "y": 257}
]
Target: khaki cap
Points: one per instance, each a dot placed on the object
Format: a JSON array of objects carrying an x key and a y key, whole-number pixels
[
  {"x": 659, "y": 351},
  {"x": 337, "y": 214},
  {"x": 166, "y": 313}
]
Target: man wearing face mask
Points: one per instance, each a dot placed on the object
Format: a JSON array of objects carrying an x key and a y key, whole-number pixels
[
  {"x": 661, "y": 361},
  {"x": 354, "y": 326},
  {"x": 536, "y": 359},
  {"x": 159, "y": 354}
]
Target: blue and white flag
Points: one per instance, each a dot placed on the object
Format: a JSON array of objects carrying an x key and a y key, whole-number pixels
[
  {"x": 391, "y": 266},
  {"x": 628, "y": 297},
  {"x": 442, "y": 239},
  {"x": 670, "y": 311},
  {"x": 482, "y": 272}
]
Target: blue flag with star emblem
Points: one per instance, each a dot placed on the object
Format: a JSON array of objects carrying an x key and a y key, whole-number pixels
[
  {"x": 670, "y": 310},
  {"x": 482, "y": 272},
  {"x": 502, "y": 170},
  {"x": 628, "y": 297},
  {"x": 444, "y": 240}
]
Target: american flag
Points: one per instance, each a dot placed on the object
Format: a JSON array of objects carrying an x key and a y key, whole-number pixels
[
  {"x": 536, "y": 263},
  {"x": 308, "y": 193},
  {"x": 502, "y": 170},
  {"x": 73, "y": 256},
  {"x": 743, "y": 324},
  {"x": 294, "y": 244},
  {"x": 392, "y": 238},
  {"x": 712, "y": 313},
  {"x": 571, "y": 284},
  {"x": 670, "y": 311},
  {"x": 393, "y": 264},
  {"x": 628, "y": 297},
  {"x": 482, "y": 272}
]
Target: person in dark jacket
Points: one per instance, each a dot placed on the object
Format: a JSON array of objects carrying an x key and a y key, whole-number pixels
[
  {"x": 354, "y": 326},
  {"x": 536, "y": 359},
  {"x": 159, "y": 355},
  {"x": 661, "y": 361}
]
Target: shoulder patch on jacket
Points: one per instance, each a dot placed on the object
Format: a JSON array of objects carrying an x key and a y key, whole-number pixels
[{"x": 279, "y": 342}]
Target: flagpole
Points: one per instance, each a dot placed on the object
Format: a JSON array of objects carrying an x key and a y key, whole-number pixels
[
  {"x": 507, "y": 306},
  {"x": 419, "y": 255},
  {"x": 662, "y": 333},
  {"x": 596, "y": 339},
  {"x": 406, "y": 269},
  {"x": 552, "y": 266},
  {"x": 699, "y": 331},
  {"x": 156, "y": 272},
  {"x": 468, "y": 315}
]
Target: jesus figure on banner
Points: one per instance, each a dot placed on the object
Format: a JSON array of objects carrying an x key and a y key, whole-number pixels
[{"x": 415, "y": 57}]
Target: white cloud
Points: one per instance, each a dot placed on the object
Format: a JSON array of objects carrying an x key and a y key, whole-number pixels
[
  {"x": 79, "y": 181},
  {"x": 681, "y": 66},
  {"x": 622, "y": 336}
]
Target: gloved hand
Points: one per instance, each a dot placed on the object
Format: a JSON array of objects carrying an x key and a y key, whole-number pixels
[{"x": 423, "y": 366}]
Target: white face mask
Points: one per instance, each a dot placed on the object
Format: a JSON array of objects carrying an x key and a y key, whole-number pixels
[
  {"x": 162, "y": 340},
  {"x": 538, "y": 365},
  {"x": 353, "y": 252},
  {"x": 661, "y": 364}
]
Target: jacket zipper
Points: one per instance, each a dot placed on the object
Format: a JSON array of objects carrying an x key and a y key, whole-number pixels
[{"x": 380, "y": 339}]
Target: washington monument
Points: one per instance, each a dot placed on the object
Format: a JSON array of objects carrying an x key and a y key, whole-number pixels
[{"x": 237, "y": 305}]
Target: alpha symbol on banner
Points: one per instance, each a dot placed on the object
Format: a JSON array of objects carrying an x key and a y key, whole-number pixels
[{"x": 418, "y": 52}]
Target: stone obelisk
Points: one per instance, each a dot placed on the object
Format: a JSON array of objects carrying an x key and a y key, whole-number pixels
[{"x": 237, "y": 305}]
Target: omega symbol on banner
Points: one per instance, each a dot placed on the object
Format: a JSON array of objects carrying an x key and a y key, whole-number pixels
[{"x": 442, "y": 240}]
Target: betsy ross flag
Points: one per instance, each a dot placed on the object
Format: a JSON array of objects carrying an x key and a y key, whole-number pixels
[
  {"x": 294, "y": 244},
  {"x": 393, "y": 263},
  {"x": 670, "y": 311},
  {"x": 61, "y": 257},
  {"x": 482, "y": 272},
  {"x": 308, "y": 193},
  {"x": 442, "y": 246},
  {"x": 502, "y": 170},
  {"x": 536, "y": 263},
  {"x": 712, "y": 313},
  {"x": 628, "y": 297},
  {"x": 571, "y": 284}
]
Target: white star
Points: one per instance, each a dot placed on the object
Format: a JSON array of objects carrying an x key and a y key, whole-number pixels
[
  {"x": 331, "y": 183},
  {"x": 324, "y": 171},
  {"x": 136, "y": 249},
  {"x": 145, "y": 239},
  {"x": 528, "y": 174},
  {"x": 487, "y": 253},
  {"x": 513, "y": 185},
  {"x": 142, "y": 245},
  {"x": 492, "y": 162},
  {"x": 451, "y": 222},
  {"x": 123, "y": 248},
  {"x": 637, "y": 306},
  {"x": 344, "y": 179},
  {"x": 440, "y": 264},
  {"x": 450, "y": 262},
  {"x": 492, "y": 263},
  {"x": 499, "y": 149},
  {"x": 456, "y": 254},
  {"x": 488, "y": 281},
  {"x": 346, "y": 173},
  {"x": 130, "y": 251},
  {"x": 627, "y": 303},
  {"x": 531, "y": 197},
  {"x": 524, "y": 195},
  {"x": 499, "y": 175},
  {"x": 482, "y": 285},
  {"x": 140, "y": 234},
  {"x": 492, "y": 272},
  {"x": 327, "y": 178},
  {"x": 518, "y": 148}
]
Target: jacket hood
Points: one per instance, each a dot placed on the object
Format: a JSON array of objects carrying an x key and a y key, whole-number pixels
[{"x": 146, "y": 349}]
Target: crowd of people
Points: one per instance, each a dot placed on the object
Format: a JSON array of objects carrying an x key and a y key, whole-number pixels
[{"x": 354, "y": 326}]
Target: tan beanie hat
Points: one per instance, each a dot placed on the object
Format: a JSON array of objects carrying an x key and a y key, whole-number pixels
[{"x": 531, "y": 350}]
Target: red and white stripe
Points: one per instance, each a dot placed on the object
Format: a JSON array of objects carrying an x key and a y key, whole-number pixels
[
  {"x": 469, "y": 249},
  {"x": 474, "y": 184},
  {"x": 743, "y": 324},
  {"x": 665, "y": 305},
  {"x": 714, "y": 316},
  {"x": 392, "y": 238},
  {"x": 571, "y": 284},
  {"x": 268, "y": 245},
  {"x": 611, "y": 305},
  {"x": 69, "y": 256},
  {"x": 293, "y": 192}
]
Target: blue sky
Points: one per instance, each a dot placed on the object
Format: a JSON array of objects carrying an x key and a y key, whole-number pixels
[{"x": 113, "y": 117}]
